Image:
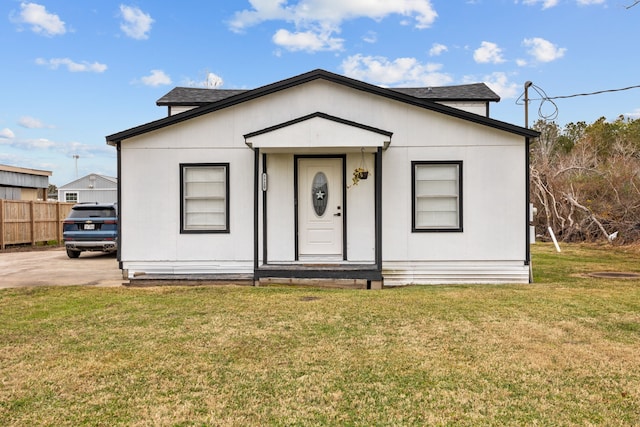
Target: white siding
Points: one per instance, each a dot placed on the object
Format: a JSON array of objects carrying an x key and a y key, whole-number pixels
[
  {"x": 150, "y": 212},
  {"x": 472, "y": 107},
  {"x": 175, "y": 109},
  {"x": 280, "y": 208},
  {"x": 360, "y": 211}
]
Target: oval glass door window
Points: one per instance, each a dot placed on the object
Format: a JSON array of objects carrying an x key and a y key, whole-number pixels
[{"x": 319, "y": 193}]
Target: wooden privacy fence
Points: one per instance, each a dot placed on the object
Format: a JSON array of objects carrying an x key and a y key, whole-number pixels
[{"x": 28, "y": 221}]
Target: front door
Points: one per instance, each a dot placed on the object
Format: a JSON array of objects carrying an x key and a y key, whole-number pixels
[{"x": 320, "y": 210}]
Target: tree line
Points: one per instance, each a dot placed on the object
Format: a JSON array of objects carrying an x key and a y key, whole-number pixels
[{"x": 585, "y": 180}]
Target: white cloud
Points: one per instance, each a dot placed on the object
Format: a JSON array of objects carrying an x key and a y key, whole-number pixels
[
  {"x": 370, "y": 37},
  {"x": 399, "y": 72},
  {"x": 488, "y": 52},
  {"x": 543, "y": 50},
  {"x": 332, "y": 12},
  {"x": 66, "y": 148},
  {"x": 32, "y": 123},
  {"x": 306, "y": 41},
  {"x": 316, "y": 21},
  {"x": 7, "y": 133},
  {"x": 83, "y": 149},
  {"x": 136, "y": 24},
  {"x": 27, "y": 144},
  {"x": 635, "y": 114},
  {"x": 437, "y": 49},
  {"x": 263, "y": 10},
  {"x": 41, "y": 21},
  {"x": 74, "y": 67},
  {"x": 156, "y": 78},
  {"x": 211, "y": 81},
  {"x": 546, "y": 4},
  {"x": 500, "y": 84},
  {"x": 39, "y": 143}
]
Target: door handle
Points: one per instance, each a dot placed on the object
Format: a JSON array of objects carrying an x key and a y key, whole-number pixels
[{"x": 337, "y": 214}]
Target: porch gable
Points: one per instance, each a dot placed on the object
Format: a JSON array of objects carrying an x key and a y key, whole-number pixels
[{"x": 319, "y": 131}]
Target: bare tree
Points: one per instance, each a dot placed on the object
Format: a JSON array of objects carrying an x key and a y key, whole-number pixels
[{"x": 588, "y": 188}]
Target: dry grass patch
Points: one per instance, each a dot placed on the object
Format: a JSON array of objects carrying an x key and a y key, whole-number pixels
[{"x": 562, "y": 351}]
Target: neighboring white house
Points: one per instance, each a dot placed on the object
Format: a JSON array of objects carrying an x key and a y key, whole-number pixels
[
  {"x": 90, "y": 188},
  {"x": 258, "y": 183}
]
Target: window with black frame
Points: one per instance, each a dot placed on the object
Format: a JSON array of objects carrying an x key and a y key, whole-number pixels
[
  {"x": 204, "y": 198},
  {"x": 437, "y": 195}
]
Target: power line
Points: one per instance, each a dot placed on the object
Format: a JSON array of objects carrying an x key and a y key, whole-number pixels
[
  {"x": 634, "y": 3},
  {"x": 544, "y": 98},
  {"x": 597, "y": 92}
]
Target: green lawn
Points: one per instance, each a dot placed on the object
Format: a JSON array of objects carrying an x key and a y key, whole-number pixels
[{"x": 562, "y": 351}]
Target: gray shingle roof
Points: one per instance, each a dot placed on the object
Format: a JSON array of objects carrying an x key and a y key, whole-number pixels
[
  {"x": 469, "y": 92},
  {"x": 189, "y": 96},
  {"x": 196, "y": 96},
  {"x": 318, "y": 74}
]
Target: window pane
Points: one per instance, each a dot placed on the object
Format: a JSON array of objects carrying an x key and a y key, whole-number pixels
[
  {"x": 92, "y": 213},
  {"x": 425, "y": 188},
  {"x": 437, "y": 204},
  {"x": 437, "y": 172},
  {"x": 205, "y": 221},
  {"x": 434, "y": 219},
  {"x": 204, "y": 174},
  {"x": 204, "y": 189}
]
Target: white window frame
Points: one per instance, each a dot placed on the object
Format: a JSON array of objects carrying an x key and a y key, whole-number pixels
[
  {"x": 212, "y": 201},
  {"x": 68, "y": 193},
  {"x": 437, "y": 197}
]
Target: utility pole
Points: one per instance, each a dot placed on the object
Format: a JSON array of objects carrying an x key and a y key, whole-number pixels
[{"x": 527, "y": 84}]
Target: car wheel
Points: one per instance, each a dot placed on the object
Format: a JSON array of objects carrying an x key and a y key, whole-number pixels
[{"x": 73, "y": 254}]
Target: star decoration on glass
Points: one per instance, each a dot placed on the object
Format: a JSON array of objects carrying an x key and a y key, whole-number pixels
[{"x": 320, "y": 195}]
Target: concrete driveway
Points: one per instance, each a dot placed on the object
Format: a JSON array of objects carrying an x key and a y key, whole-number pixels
[{"x": 52, "y": 267}]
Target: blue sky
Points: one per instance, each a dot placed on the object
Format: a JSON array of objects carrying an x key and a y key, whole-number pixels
[{"x": 76, "y": 71}]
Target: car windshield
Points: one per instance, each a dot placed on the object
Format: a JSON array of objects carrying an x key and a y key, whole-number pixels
[{"x": 93, "y": 213}]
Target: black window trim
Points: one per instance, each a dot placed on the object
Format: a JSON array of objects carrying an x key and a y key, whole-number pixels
[
  {"x": 227, "y": 229},
  {"x": 415, "y": 229}
]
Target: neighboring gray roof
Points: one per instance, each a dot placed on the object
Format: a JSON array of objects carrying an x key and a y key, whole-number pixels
[
  {"x": 28, "y": 171},
  {"x": 189, "y": 96},
  {"x": 74, "y": 184}
]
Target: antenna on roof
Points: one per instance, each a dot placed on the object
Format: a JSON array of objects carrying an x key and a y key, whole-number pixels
[{"x": 76, "y": 157}]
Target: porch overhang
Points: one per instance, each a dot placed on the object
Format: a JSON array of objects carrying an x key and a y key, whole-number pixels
[{"x": 319, "y": 132}]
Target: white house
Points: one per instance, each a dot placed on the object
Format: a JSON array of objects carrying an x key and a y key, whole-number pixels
[
  {"x": 90, "y": 188},
  {"x": 259, "y": 184}
]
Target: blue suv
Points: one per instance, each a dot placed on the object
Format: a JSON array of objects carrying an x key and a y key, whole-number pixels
[{"x": 91, "y": 227}]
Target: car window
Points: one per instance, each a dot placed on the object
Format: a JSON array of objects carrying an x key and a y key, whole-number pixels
[{"x": 93, "y": 213}]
